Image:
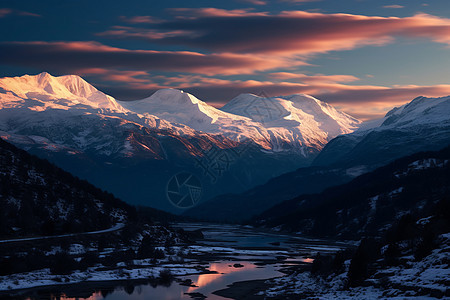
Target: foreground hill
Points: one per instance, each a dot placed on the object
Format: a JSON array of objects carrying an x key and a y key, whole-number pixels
[
  {"x": 400, "y": 216},
  {"x": 38, "y": 198},
  {"x": 56, "y": 228},
  {"x": 417, "y": 185}
]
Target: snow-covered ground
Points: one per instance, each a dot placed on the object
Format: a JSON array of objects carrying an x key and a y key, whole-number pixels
[
  {"x": 425, "y": 279},
  {"x": 45, "y": 278},
  {"x": 112, "y": 229},
  {"x": 137, "y": 269}
]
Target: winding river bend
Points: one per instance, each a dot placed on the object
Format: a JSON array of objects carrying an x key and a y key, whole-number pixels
[{"x": 228, "y": 253}]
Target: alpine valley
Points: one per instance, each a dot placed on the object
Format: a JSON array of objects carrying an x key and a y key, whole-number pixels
[
  {"x": 243, "y": 149},
  {"x": 324, "y": 205}
]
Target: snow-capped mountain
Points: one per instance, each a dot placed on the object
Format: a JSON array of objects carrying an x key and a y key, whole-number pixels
[
  {"x": 67, "y": 112},
  {"x": 421, "y": 111},
  {"x": 298, "y": 123},
  {"x": 50, "y": 92},
  {"x": 88, "y": 133},
  {"x": 183, "y": 108},
  {"x": 420, "y": 125},
  {"x": 133, "y": 148}
]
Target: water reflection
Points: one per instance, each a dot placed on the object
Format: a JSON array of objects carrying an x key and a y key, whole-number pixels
[
  {"x": 228, "y": 273},
  {"x": 95, "y": 296},
  {"x": 252, "y": 255}
]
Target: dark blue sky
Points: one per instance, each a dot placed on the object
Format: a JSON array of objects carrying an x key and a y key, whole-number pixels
[{"x": 362, "y": 56}]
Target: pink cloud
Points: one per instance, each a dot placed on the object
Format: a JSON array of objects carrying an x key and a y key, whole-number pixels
[
  {"x": 130, "y": 77},
  {"x": 7, "y": 11},
  {"x": 72, "y": 56},
  {"x": 144, "y": 34},
  {"x": 140, "y": 19},
  {"x": 366, "y": 102},
  {"x": 214, "y": 12},
  {"x": 299, "y": 1},
  {"x": 362, "y": 101},
  {"x": 254, "y": 2},
  {"x": 313, "y": 78},
  {"x": 393, "y": 6},
  {"x": 4, "y": 12},
  {"x": 287, "y": 33}
]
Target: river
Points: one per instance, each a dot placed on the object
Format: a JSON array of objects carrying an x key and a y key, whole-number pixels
[{"x": 231, "y": 253}]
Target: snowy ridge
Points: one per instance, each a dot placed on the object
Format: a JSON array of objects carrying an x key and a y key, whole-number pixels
[
  {"x": 179, "y": 107},
  {"x": 419, "y": 112},
  {"x": 298, "y": 123},
  {"x": 48, "y": 90},
  {"x": 296, "y": 118},
  {"x": 420, "y": 125},
  {"x": 45, "y": 110}
]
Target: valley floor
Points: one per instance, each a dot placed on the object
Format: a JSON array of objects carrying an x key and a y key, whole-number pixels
[{"x": 244, "y": 272}]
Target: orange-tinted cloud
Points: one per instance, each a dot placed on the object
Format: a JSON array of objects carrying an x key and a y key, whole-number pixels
[
  {"x": 312, "y": 78},
  {"x": 254, "y": 2},
  {"x": 4, "y": 12},
  {"x": 299, "y": 1},
  {"x": 393, "y": 6},
  {"x": 7, "y": 11},
  {"x": 129, "y": 77},
  {"x": 140, "y": 19},
  {"x": 362, "y": 101},
  {"x": 137, "y": 33},
  {"x": 274, "y": 44},
  {"x": 72, "y": 56},
  {"x": 192, "y": 13},
  {"x": 286, "y": 33}
]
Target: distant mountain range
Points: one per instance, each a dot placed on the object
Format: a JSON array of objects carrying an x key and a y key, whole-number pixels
[
  {"x": 421, "y": 125},
  {"x": 297, "y": 123},
  {"x": 133, "y": 148}
]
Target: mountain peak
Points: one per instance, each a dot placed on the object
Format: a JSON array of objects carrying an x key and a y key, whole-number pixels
[
  {"x": 72, "y": 88},
  {"x": 42, "y": 76},
  {"x": 173, "y": 96},
  {"x": 169, "y": 92},
  {"x": 179, "y": 107},
  {"x": 297, "y": 122},
  {"x": 301, "y": 108},
  {"x": 167, "y": 101}
]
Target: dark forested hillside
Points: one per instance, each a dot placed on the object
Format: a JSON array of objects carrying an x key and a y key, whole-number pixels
[
  {"x": 239, "y": 207},
  {"x": 417, "y": 185},
  {"x": 38, "y": 198},
  {"x": 53, "y": 224}
]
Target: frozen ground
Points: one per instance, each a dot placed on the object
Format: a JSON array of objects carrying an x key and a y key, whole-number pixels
[{"x": 425, "y": 279}]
